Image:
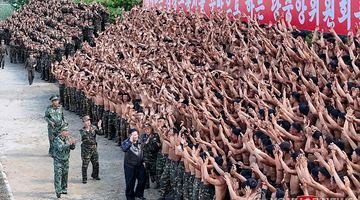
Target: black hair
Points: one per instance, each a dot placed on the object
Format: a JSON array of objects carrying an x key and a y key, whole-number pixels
[
  {"x": 296, "y": 70},
  {"x": 252, "y": 183},
  {"x": 324, "y": 172},
  {"x": 314, "y": 79},
  {"x": 297, "y": 126},
  {"x": 247, "y": 173},
  {"x": 328, "y": 85},
  {"x": 132, "y": 130},
  {"x": 284, "y": 124},
  {"x": 316, "y": 135},
  {"x": 285, "y": 146},
  {"x": 269, "y": 149},
  {"x": 279, "y": 193},
  {"x": 294, "y": 155},
  {"x": 266, "y": 141},
  {"x": 357, "y": 151},
  {"x": 236, "y": 131},
  {"x": 340, "y": 144},
  {"x": 329, "y": 140},
  {"x": 259, "y": 134},
  {"x": 304, "y": 108},
  {"x": 296, "y": 96},
  {"x": 335, "y": 113},
  {"x": 219, "y": 96},
  {"x": 219, "y": 160},
  {"x": 262, "y": 112},
  {"x": 342, "y": 115},
  {"x": 314, "y": 171}
]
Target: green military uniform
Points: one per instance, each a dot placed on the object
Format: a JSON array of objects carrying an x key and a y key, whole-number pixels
[
  {"x": 206, "y": 192},
  {"x": 151, "y": 149},
  {"x": 30, "y": 66},
  {"x": 186, "y": 185},
  {"x": 165, "y": 179},
  {"x": 3, "y": 51},
  {"x": 179, "y": 181},
  {"x": 160, "y": 165},
  {"x": 61, "y": 163},
  {"x": 89, "y": 151},
  {"x": 54, "y": 116},
  {"x": 196, "y": 188}
]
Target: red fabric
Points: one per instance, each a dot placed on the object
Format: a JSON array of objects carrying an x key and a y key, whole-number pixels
[{"x": 326, "y": 13}]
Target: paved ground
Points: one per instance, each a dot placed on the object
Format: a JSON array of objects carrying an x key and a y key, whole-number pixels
[{"x": 24, "y": 145}]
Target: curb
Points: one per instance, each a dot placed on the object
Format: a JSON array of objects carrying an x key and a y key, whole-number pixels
[{"x": 7, "y": 185}]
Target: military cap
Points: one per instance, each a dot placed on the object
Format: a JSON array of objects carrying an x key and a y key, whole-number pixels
[{"x": 54, "y": 97}]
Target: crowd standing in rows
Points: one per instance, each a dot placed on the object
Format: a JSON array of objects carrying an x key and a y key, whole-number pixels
[
  {"x": 243, "y": 110},
  {"x": 50, "y": 30}
]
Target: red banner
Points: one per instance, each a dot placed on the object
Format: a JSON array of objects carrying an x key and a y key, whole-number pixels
[{"x": 342, "y": 15}]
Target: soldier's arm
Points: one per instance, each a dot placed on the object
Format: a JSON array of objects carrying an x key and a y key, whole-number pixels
[
  {"x": 48, "y": 117},
  {"x": 61, "y": 146}
]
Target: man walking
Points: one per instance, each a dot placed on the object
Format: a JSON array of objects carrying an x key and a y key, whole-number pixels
[
  {"x": 30, "y": 66},
  {"x": 3, "y": 51},
  {"x": 54, "y": 116},
  {"x": 134, "y": 166},
  {"x": 89, "y": 148},
  {"x": 62, "y": 147}
]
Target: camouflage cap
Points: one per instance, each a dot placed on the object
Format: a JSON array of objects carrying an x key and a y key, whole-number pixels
[{"x": 54, "y": 97}]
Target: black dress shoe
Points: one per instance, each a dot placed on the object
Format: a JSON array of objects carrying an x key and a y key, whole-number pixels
[
  {"x": 84, "y": 181},
  {"x": 58, "y": 195},
  {"x": 96, "y": 178},
  {"x": 64, "y": 192}
]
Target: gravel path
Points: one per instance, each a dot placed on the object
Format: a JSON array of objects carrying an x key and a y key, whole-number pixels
[{"x": 24, "y": 145}]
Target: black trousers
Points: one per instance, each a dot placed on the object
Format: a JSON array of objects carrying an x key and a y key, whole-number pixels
[{"x": 131, "y": 175}]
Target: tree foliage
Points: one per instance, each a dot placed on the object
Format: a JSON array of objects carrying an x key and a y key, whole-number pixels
[
  {"x": 115, "y": 7},
  {"x": 17, "y": 4}
]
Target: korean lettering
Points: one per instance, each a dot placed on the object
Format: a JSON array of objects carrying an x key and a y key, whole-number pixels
[
  {"x": 345, "y": 11},
  {"x": 259, "y": 8},
  {"x": 275, "y": 7},
  {"x": 250, "y": 7},
  {"x": 329, "y": 13},
  {"x": 314, "y": 12},
  {"x": 287, "y": 9},
  {"x": 301, "y": 7}
]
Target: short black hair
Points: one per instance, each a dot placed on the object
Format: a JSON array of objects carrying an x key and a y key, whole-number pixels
[
  {"x": 316, "y": 135},
  {"x": 294, "y": 155},
  {"x": 357, "y": 151},
  {"x": 132, "y": 130},
  {"x": 285, "y": 146},
  {"x": 236, "y": 131},
  {"x": 297, "y": 126},
  {"x": 284, "y": 124},
  {"x": 324, "y": 172},
  {"x": 304, "y": 108},
  {"x": 296, "y": 95}
]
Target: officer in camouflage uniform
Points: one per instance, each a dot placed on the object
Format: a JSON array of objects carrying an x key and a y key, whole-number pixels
[
  {"x": 195, "y": 188},
  {"x": 89, "y": 148},
  {"x": 30, "y": 65},
  {"x": 62, "y": 147},
  {"x": 206, "y": 192},
  {"x": 3, "y": 51},
  {"x": 186, "y": 184},
  {"x": 54, "y": 116},
  {"x": 151, "y": 149}
]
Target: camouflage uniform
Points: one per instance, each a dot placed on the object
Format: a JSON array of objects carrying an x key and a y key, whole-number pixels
[
  {"x": 105, "y": 118},
  {"x": 151, "y": 150},
  {"x": 61, "y": 163},
  {"x": 3, "y": 51},
  {"x": 190, "y": 184},
  {"x": 62, "y": 93},
  {"x": 160, "y": 166},
  {"x": 179, "y": 180},
  {"x": 30, "y": 66},
  {"x": 195, "y": 189},
  {"x": 89, "y": 151},
  {"x": 186, "y": 185},
  {"x": 207, "y": 192},
  {"x": 165, "y": 187},
  {"x": 66, "y": 97},
  {"x": 56, "y": 116},
  {"x": 13, "y": 50},
  {"x": 111, "y": 125}
]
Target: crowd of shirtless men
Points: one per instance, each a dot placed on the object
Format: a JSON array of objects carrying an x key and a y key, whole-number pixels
[
  {"x": 50, "y": 30},
  {"x": 244, "y": 111}
]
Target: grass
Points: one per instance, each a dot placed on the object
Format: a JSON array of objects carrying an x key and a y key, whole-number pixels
[{"x": 5, "y": 10}]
